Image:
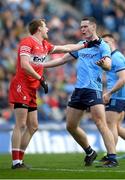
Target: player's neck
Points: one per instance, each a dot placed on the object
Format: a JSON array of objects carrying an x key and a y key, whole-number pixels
[
  {"x": 93, "y": 37},
  {"x": 113, "y": 48},
  {"x": 38, "y": 38}
]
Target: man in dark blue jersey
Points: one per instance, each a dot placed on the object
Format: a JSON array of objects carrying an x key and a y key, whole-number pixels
[{"x": 88, "y": 91}]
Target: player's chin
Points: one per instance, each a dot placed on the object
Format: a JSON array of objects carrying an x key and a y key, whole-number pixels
[
  {"x": 86, "y": 37},
  {"x": 46, "y": 36}
]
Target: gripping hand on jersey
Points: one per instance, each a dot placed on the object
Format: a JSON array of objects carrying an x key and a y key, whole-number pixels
[
  {"x": 96, "y": 42},
  {"x": 44, "y": 84}
]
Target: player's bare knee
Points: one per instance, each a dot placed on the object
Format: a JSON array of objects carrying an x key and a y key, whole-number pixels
[
  {"x": 21, "y": 126},
  {"x": 70, "y": 128},
  {"x": 101, "y": 125},
  {"x": 110, "y": 123},
  {"x": 33, "y": 129}
]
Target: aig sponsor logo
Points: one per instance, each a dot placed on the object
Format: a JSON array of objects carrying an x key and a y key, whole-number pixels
[
  {"x": 84, "y": 55},
  {"x": 37, "y": 59}
]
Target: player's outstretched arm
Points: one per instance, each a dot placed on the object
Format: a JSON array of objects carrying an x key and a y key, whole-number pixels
[
  {"x": 69, "y": 47},
  {"x": 75, "y": 47},
  {"x": 57, "y": 62},
  {"x": 104, "y": 63}
]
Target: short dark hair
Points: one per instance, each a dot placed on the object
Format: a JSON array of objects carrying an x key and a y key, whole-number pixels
[
  {"x": 34, "y": 24},
  {"x": 91, "y": 19},
  {"x": 108, "y": 35}
]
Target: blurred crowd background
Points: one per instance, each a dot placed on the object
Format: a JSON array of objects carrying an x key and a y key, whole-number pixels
[{"x": 63, "y": 19}]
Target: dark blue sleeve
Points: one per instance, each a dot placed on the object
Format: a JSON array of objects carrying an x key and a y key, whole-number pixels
[{"x": 74, "y": 54}]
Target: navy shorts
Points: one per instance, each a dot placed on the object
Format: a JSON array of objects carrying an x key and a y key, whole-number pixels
[
  {"x": 116, "y": 105},
  {"x": 84, "y": 98}
]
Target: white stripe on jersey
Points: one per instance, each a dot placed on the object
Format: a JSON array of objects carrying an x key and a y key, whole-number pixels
[
  {"x": 26, "y": 54},
  {"x": 25, "y": 48}
]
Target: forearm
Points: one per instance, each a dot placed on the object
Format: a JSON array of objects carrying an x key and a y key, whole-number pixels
[
  {"x": 29, "y": 70},
  {"x": 119, "y": 84},
  {"x": 57, "y": 62},
  {"x": 68, "y": 48},
  {"x": 73, "y": 47},
  {"x": 53, "y": 63},
  {"x": 26, "y": 66}
]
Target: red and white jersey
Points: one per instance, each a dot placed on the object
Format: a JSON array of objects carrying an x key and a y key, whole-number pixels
[{"x": 37, "y": 52}]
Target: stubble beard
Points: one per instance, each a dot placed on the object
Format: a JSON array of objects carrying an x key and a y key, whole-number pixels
[{"x": 45, "y": 36}]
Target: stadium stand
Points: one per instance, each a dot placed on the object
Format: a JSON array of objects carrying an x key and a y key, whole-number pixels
[{"x": 64, "y": 28}]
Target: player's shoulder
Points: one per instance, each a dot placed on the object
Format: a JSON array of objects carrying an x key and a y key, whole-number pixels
[
  {"x": 46, "y": 42},
  {"x": 26, "y": 39},
  {"x": 102, "y": 42},
  {"x": 116, "y": 54},
  {"x": 104, "y": 45},
  {"x": 48, "y": 45}
]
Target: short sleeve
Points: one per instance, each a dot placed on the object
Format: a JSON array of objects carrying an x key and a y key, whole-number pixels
[
  {"x": 105, "y": 50},
  {"x": 74, "y": 54},
  {"x": 119, "y": 62},
  {"x": 25, "y": 47},
  {"x": 49, "y": 46}
]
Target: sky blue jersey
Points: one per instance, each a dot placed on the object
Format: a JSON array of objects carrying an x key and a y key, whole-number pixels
[
  {"x": 89, "y": 75},
  {"x": 118, "y": 64}
]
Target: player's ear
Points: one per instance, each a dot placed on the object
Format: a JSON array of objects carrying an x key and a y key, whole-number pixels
[
  {"x": 39, "y": 28},
  {"x": 94, "y": 26}
]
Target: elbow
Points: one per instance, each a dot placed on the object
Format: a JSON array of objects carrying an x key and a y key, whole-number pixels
[{"x": 24, "y": 67}]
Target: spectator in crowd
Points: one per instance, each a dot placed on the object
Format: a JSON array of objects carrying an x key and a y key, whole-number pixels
[{"x": 15, "y": 14}]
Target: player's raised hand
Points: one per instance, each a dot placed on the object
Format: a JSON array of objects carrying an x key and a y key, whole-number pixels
[
  {"x": 100, "y": 62},
  {"x": 44, "y": 84}
]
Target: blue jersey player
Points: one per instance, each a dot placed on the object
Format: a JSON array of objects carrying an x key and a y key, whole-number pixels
[
  {"x": 114, "y": 98},
  {"x": 88, "y": 91}
]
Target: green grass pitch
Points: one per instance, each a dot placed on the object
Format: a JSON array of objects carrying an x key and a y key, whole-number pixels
[{"x": 59, "y": 166}]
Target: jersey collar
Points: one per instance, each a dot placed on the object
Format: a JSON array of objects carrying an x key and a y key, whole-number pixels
[{"x": 114, "y": 51}]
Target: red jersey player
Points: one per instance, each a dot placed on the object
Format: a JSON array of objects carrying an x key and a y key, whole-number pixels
[{"x": 31, "y": 53}]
